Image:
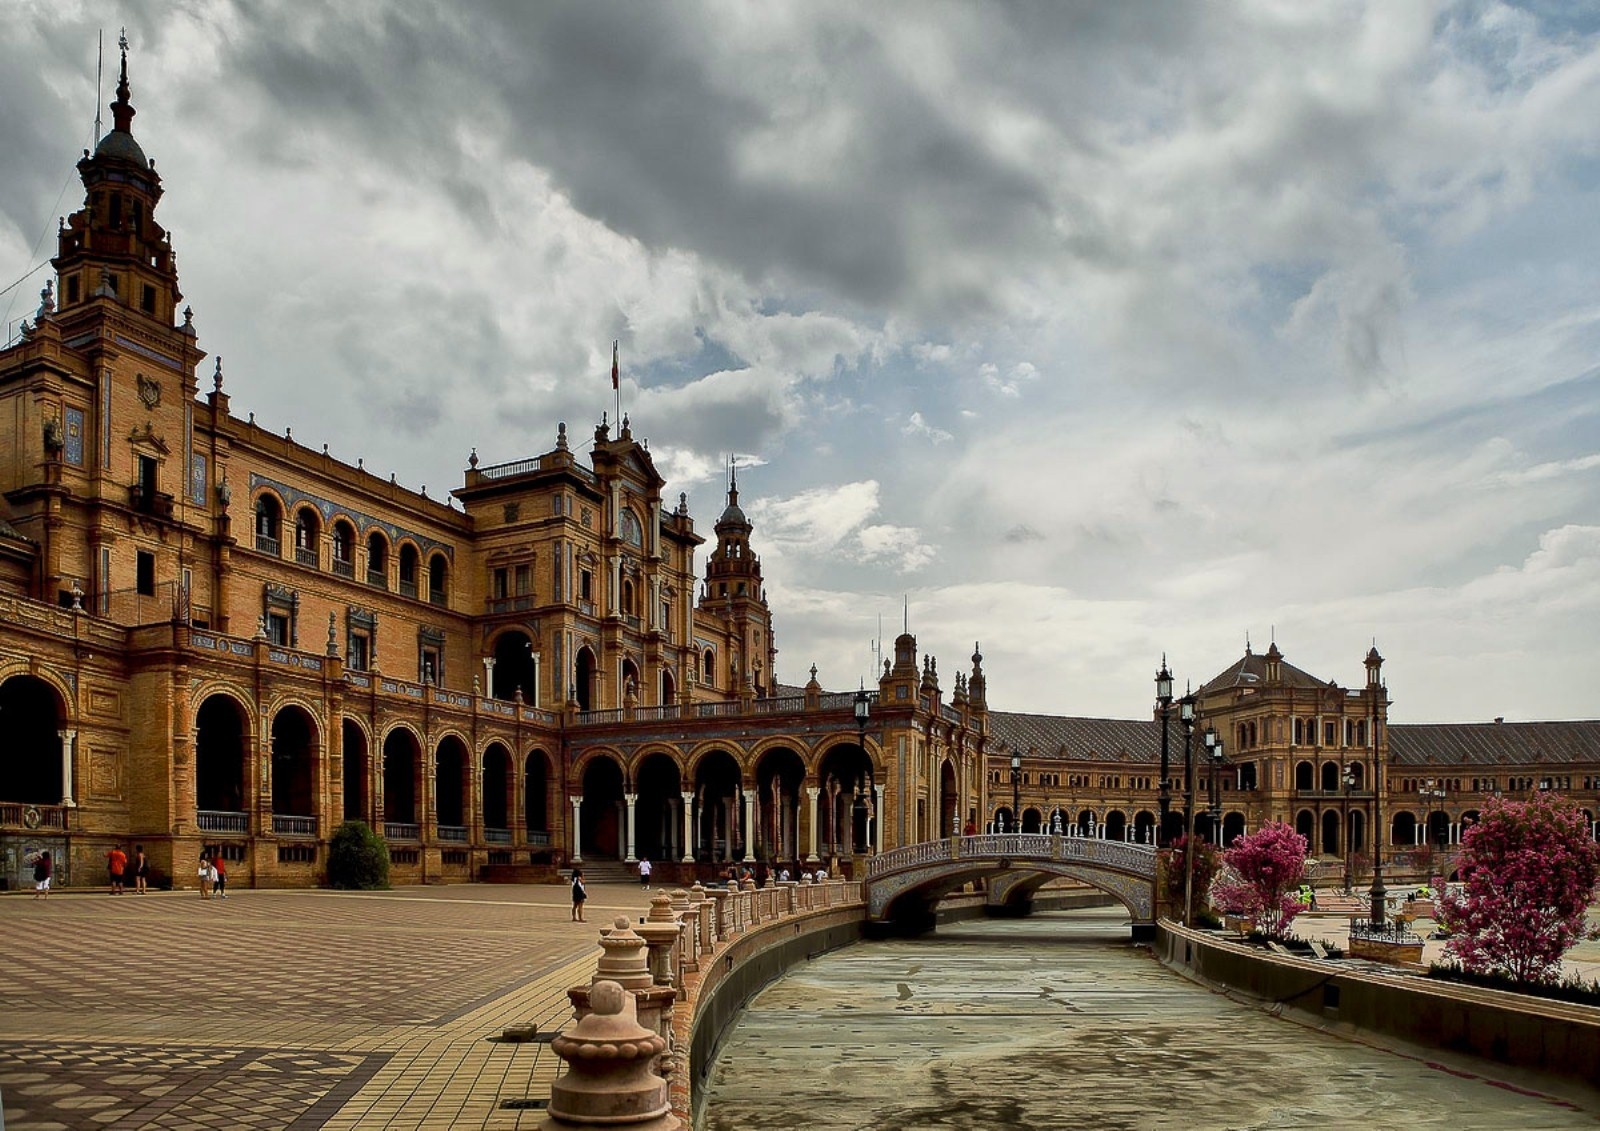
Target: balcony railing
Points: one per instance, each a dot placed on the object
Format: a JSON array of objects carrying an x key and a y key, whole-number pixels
[
  {"x": 520, "y": 603},
  {"x": 455, "y": 833},
  {"x": 538, "y": 838},
  {"x": 150, "y": 502},
  {"x": 344, "y": 568},
  {"x": 306, "y": 556},
  {"x": 268, "y": 544},
  {"x": 438, "y": 597},
  {"x": 408, "y": 589},
  {"x": 221, "y": 821},
  {"x": 294, "y": 826},
  {"x": 378, "y": 577},
  {"x": 497, "y": 836},
  {"x": 22, "y": 815},
  {"x": 401, "y": 830}
]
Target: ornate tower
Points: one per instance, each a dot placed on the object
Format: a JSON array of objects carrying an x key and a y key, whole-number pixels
[
  {"x": 112, "y": 247},
  {"x": 734, "y": 591}
]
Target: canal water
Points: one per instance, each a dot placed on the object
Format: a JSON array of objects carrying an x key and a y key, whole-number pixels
[{"x": 1056, "y": 1021}]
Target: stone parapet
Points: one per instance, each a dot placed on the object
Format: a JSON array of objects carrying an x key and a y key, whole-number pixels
[{"x": 1558, "y": 1038}]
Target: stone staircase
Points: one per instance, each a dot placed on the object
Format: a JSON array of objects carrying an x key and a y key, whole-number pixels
[{"x": 607, "y": 872}]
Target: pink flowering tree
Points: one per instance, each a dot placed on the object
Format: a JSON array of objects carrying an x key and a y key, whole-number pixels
[
  {"x": 1262, "y": 874},
  {"x": 1207, "y": 862},
  {"x": 1529, "y": 869}
]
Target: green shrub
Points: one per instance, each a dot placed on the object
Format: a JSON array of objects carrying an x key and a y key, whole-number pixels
[{"x": 358, "y": 858}]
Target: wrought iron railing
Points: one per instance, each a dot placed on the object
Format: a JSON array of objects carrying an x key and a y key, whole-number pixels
[
  {"x": 378, "y": 578},
  {"x": 267, "y": 545},
  {"x": 344, "y": 568},
  {"x": 1389, "y": 931},
  {"x": 306, "y": 556}
]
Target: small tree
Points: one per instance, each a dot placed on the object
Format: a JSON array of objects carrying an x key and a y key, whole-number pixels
[
  {"x": 1207, "y": 862},
  {"x": 1261, "y": 876},
  {"x": 1529, "y": 869},
  {"x": 358, "y": 858}
]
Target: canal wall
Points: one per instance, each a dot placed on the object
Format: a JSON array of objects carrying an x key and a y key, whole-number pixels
[
  {"x": 1529, "y": 1033},
  {"x": 803, "y": 923}
]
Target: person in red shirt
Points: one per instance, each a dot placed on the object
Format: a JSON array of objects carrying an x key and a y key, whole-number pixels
[
  {"x": 117, "y": 861},
  {"x": 219, "y": 886}
]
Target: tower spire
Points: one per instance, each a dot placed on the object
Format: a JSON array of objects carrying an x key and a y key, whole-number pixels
[{"x": 122, "y": 110}]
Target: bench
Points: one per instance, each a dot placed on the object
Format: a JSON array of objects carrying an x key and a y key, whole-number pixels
[{"x": 1341, "y": 904}]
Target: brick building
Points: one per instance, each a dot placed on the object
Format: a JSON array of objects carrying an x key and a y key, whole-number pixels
[{"x": 212, "y": 635}]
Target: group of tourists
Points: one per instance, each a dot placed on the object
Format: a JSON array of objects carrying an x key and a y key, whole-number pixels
[
  {"x": 213, "y": 874},
  {"x": 119, "y": 865}
]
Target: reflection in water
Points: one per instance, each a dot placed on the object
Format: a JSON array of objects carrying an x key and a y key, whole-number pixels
[{"x": 1057, "y": 1021}]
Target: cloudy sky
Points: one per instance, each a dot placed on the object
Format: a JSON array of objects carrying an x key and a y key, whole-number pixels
[{"x": 1092, "y": 331}]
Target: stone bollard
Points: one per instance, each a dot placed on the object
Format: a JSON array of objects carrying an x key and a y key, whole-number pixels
[
  {"x": 704, "y": 935},
  {"x": 608, "y": 1079},
  {"x": 624, "y": 959},
  {"x": 688, "y": 934},
  {"x": 661, "y": 932},
  {"x": 721, "y": 918}
]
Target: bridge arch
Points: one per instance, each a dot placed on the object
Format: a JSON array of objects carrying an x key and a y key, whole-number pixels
[{"x": 904, "y": 885}]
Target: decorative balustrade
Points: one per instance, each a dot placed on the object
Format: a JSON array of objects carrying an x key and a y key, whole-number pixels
[
  {"x": 293, "y": 826},
  {"x": 538, "y": 838},
  {"x": 221, "y": 821},
  {"x": 456, "y": 834},
  {"x": 402, "y": 830},
  {"x": 497, "y": 836},
  {"x": 1135, "y": 859},
  {"x": 22, "y": 815}
]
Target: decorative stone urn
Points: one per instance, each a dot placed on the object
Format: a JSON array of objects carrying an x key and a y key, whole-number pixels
[{"x": 608, "y": 1079}]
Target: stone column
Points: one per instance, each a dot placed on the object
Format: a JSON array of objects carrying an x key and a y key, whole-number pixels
[
  {"x": 877, "y": 818},
  {"x": 812, "y": 792},
  {"x": 632, "y": 800},
  {"x": 749, "y": 826},
  {"x": 69, "y": 753},
  {"x": 688, "y": 827},
  {"x": 577, "y": 830},
  {"x": 488, "y": 677}
]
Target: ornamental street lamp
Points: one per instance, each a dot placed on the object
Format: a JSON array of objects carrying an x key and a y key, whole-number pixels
[
  {"x": 1378, "y": 894},
  {"x": 1349, "y": 778},
  {"x": 1164, "y": 701},
  {"x": 1016, "y": 792},
  {"x": 1214, "y": 748},
  {"x": 1186, "y": 717},
  {"x": 1426, "y": 794}
]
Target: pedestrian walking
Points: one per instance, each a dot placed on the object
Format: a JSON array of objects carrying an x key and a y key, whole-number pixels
[
  {"x": 141, "y": 870},
  {"x": 644, "y": 873},
  {"x": 41, "y": 875},
  {"x": 219, "y": 875},
  {"x": 579, "y": 894},
  {"x": 204, "y": 873},
  {"x": 117, "y": 864}
]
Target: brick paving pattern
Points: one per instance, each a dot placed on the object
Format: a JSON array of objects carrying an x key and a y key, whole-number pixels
[{"x": 283, "y": 1009}]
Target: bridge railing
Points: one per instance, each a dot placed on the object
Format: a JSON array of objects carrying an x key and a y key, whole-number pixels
[{"x": 1137, "y": 859}]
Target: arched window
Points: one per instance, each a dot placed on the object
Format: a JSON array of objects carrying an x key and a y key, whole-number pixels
[
  {"x": 377, "y": 560},
  {"x": 1305, "y": 776},
  {"x": 627, "y": 598},
  {"x": 408, "y": 570},
  {"x": 630, "y": 530},
  {"x": 307, "y": 528},
  {"x": 269, "y": 520},
  {"x": 344, "y": 549},
  {"x": 709, "y": 668},
  {"x": 438, "y": 580}
]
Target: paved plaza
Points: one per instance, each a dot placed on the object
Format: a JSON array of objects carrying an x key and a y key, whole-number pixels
[{"x": 288, "y": 1009}]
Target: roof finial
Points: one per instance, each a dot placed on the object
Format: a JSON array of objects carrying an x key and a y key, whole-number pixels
[
  {"x": 733, "y": 479},
  {"x": 1247, "y": 642},
  {"x": 122, "y": 110}
]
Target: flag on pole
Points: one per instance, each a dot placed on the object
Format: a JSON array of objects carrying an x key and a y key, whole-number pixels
[{"x": 614, "y": 383}]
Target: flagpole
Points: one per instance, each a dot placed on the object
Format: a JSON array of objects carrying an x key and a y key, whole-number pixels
[{"x": 616, "y": 386}]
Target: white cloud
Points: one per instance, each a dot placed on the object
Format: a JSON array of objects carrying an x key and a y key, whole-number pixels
[{"x": 916, "y": 426}]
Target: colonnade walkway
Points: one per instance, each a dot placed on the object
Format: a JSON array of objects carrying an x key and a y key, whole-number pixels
[{"x": 289, "y": 1009}]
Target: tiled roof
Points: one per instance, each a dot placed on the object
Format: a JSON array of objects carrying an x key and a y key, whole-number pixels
[
  {"x": 1251, "y": 671},
  {"x": 1098, "y": 740},
  {"x": 1495, "y": 744}
]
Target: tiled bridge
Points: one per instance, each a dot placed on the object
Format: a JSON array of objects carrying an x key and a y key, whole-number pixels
[{"x": 903, "y": 885}]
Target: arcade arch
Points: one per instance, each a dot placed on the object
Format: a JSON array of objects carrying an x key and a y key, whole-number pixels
[
  {"x": 450, "y": 783},
  {"x": 847, "y": 803},
  {"x": 514, "y": 669},
  {"x": 357, "y": 773},
  {"x": 719, "y": 834},
  {"x": 536, "y": 796},
  {"x": 600, "y": 811},
  {"x": 30, "y": 764},
  {"x": 219, "y": 755},
  {"x": 658, "y": 824},
  {"x": 294, "y": 763},
  {"x": 780, "y": 776},
  {"x": 499, "y": 787},
  {"x": 402, "y": 774}
]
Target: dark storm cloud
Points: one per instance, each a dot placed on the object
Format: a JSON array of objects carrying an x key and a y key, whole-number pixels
[{"x": 642, "y": 120}]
